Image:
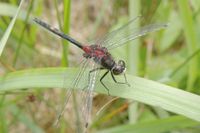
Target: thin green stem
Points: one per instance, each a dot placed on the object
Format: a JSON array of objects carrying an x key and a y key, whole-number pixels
[
  {"x": 133, "y": 57},
  {"x": 185, "y": 62},
  {"x": 189, "y": 31},
  {"x": 19, "y": 45}
]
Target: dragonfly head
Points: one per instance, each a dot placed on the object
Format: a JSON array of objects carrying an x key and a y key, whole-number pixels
[{"x": 119, "y": 68}]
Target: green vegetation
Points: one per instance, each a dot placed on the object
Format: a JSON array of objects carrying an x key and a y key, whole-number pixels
[{"x": 36, "y": 67}]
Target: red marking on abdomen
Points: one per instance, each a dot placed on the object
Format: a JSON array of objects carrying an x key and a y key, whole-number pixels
[{"x": 87, "y": 49}]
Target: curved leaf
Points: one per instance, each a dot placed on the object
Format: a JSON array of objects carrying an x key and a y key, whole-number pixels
[
  {"x": 142, "y": 90},
  {"x": 155, "y": 126},
  {"x": 9, "y": 29}
]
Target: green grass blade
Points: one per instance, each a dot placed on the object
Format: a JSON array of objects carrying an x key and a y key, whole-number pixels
[
  {"x": 133, "y": 49},
  {"x": 22, "y": 34},
  {"x": 58, "y": 16},
  {"x": 185, "y": 62},
  {"x": 10, "y": 10},
  {"x": 3, "y": 124},
  {"x": 66, "y": 27},
  {"x": 189, "y": 31},
  {"x": 133, "y": 53},
  {"x": 156, "y": 126},
  {"x": 142, "y": 90},
  {"x": 9, "y": 29},
  {"x": 7, "y": 9}
]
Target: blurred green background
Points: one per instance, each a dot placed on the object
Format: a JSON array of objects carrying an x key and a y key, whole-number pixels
[{"x": 169, "y": 56}]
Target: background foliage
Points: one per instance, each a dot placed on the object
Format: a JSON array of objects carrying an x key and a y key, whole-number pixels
[{"x": 170, "y": 57}]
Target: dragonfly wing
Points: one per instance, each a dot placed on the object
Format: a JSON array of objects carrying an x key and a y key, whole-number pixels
[
  {"x": 74, "y": 84},
  {"x": 87, "y": 95},
  {"x": 111, "y": 34},
  {"x": 132, "y": 34},
  {"x": 127, "y": 33}
]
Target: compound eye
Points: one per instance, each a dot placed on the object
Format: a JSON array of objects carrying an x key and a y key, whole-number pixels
[
  {"x": 121, "y": 63},
  {"x": 120, "y": 68}
]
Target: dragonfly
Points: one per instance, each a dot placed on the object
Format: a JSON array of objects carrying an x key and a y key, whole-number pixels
[{"x": 99, "y": 56}]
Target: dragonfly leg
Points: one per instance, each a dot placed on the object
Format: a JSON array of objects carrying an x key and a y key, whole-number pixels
[
  {"x": 126, "y": 82},
  {"x": 103, "y": 83},
  {"x": 101, "y": 68},
  {"x": 91, "y": 71}
]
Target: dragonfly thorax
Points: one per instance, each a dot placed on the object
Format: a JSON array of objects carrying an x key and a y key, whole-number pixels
[
  {"x": 94, "y": 51},
  {"x": 101, "y": 56}
]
